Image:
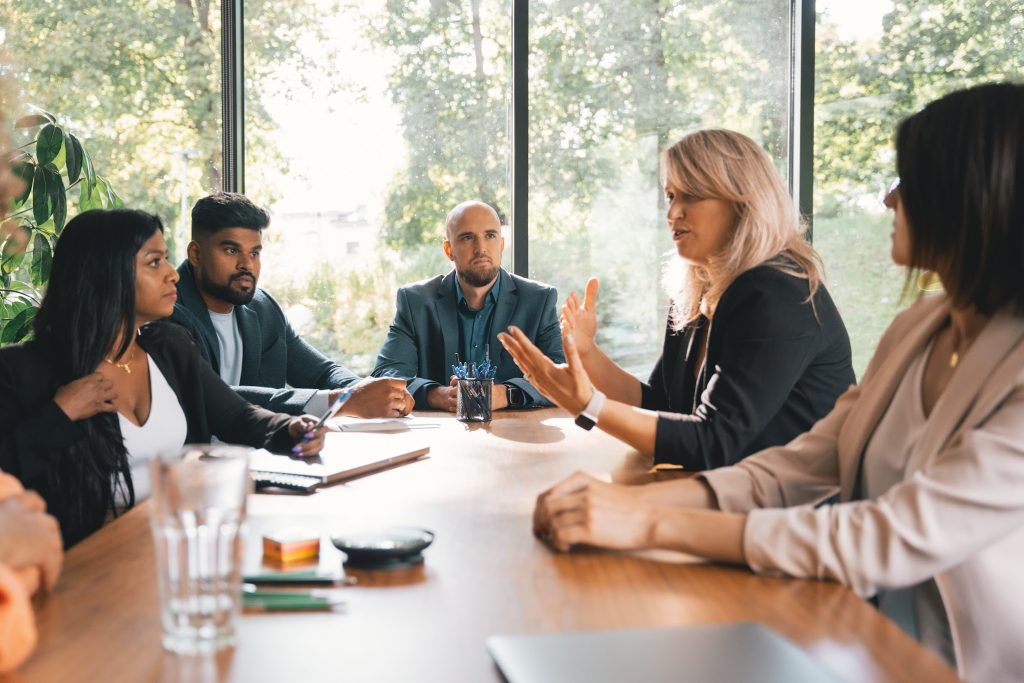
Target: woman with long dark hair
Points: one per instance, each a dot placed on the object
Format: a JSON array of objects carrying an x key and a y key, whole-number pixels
[
  {"x": 103, "y": 387},
  {"x": 926, "y": 454}
]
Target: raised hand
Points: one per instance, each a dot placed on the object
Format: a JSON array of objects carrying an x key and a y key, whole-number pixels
[
  {"x": 567, "y": 385},
  {"x": 86, "y": 396},
  {"x": 581, "y": 319}
]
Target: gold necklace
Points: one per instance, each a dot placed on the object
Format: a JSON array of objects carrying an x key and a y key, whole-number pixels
[{"x": 124, "y": 366}]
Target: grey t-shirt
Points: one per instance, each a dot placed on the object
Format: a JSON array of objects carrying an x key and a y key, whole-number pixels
[{"x": 230, "y": 342}]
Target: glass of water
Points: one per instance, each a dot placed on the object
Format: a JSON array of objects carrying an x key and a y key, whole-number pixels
[{"x": 198, "y": 508}]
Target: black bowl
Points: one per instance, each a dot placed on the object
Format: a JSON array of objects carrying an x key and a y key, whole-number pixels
[{"x": 384, "y": 548}]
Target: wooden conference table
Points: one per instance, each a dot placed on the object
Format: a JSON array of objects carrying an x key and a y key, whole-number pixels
[{"x": 484, "y": 575}]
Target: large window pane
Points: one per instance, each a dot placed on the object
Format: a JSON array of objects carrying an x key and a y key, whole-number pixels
[
  {"x": 611, "y": 85},
  {"x": 365, "y": 123},
  {"x": 139, "y": 82},
  {"x": 876, "y": 62}
]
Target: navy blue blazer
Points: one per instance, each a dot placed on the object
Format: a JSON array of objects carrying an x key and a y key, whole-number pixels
[
  {"x": 280, "y": 371},
  {"x": 424, "y": 337}
]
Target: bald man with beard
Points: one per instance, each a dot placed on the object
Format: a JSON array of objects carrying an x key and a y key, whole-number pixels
[{"x": 462, "y": 313}]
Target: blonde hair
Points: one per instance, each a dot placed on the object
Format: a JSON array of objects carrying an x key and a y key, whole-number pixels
[{"x": 726, "y": 165}]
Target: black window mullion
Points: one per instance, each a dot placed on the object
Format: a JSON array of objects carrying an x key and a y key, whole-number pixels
[
  {"x": 520, "y": 137},
  {"x": 232, "y": 97}
]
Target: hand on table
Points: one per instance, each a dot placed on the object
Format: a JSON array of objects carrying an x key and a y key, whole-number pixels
[
  {"x": 307, "y": 442},
  {"x": 377, "y": 397},
  {"x": 581, "y": 319},
  {"x": 86, "y": 396},
  {"x": 567, "y": 385},
  {"x": 30, "y": 538},
  {"x": 443, "y": 398},
  {"x": 585, "y": 510}
]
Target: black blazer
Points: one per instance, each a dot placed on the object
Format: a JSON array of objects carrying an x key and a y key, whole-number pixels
[
  {"x": 35, "y": 434},
  {"x": 772, "y": 370}
]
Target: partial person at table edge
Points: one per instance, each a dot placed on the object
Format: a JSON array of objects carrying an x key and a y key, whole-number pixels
[
  {"x": 927, "y": 453},
  {"x": 242, "y": 332},
  {"x": 106, "y": 384},
  {"x": 458, "y": 315},
  {"x": 755, "y": 351}
]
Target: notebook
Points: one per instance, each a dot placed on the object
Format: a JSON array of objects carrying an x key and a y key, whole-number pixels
[
  {"x": 382, "y": 424},
  {"x": 711, "y": 653},
  {"x": 345, "y": 456}
]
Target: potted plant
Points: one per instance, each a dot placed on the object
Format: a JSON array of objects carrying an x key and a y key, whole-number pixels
[{"x": 58, "y": 174}]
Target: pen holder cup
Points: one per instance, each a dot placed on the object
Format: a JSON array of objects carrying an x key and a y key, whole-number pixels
[{"x": 473, "y": 400}]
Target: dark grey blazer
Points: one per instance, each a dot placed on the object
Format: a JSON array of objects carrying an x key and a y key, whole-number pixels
[
  {"x": 280, "y": 371},
  {"x": 424, "y": 337}
]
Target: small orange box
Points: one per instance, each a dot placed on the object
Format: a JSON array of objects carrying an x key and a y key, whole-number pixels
[{"x": 289, "y": 545}]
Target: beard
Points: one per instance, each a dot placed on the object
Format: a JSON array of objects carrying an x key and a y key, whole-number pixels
[
  {"x": 225, "y": 292},
  {"x": 480, "y": 277}
]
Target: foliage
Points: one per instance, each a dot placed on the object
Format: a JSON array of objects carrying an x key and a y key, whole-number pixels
[
  {"x": 59, "y": 168},
  {"x": 141, "y": 79}
]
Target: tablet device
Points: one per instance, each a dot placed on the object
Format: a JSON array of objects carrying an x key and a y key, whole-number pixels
[{"x": 709, "y": 653}]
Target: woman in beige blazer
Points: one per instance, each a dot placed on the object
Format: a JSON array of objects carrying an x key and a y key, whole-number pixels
[{"x": 926, "y": 454}]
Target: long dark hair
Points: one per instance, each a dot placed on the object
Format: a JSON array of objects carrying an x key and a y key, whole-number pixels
[
  {"x": 961, "y": 167},
  {"x": 89, "y": 301}
]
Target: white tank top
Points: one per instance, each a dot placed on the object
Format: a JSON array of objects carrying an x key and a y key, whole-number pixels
[{"x": 165, "y": 430}]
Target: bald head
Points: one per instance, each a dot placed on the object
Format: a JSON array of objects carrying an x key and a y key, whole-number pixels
[
  {"x": 474, "y": 243},
  {"x": 471, "y": 212}
]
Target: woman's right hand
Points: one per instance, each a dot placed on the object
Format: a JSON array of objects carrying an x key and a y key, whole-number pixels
[
  {"x": 30, "y": 538},
  {"x": 581, "y": 320},
  {"x": 86, "y": 396}
]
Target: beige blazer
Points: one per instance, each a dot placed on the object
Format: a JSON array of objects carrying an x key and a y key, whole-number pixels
[{"x": 958, "y": 515}]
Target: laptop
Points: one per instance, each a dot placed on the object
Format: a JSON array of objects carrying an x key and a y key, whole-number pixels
[
  {"x": 344, "y": 457},
  {"x": 709, "y": 653}
]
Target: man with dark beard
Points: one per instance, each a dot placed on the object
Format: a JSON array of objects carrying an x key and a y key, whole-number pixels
[
  {"x": 243, "y": 333},
  {"x": 461, "y": 314}
]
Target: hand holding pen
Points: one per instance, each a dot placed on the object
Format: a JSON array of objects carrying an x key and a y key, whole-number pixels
[{"x": 309, "y": 432}]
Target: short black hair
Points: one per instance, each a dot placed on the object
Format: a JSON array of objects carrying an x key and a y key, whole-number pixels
[
  {"x": 226, "y": 210},
  {"x": 961, "y": 166}
]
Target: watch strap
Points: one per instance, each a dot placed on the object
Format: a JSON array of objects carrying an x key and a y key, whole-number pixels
[{"x": 588, "y": 418}]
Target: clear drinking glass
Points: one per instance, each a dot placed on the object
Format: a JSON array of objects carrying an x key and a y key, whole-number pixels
[
  {"x": 198, "y": 508},
  {"x": 473, "y": 400}
]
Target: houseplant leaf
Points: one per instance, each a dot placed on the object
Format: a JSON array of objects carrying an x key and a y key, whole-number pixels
[
  {"x": 59, "y": 201},
  {"x": 25, "y": 170},
  {"x": 40, "y": 196},
  {"x": 42, "y": 259},
  {"x": 49, "y": 143},
  {"x": 31, "y": 121},
  {"x": 73, "y": 157},
  {"x": 13, "y": 251},
  {"x": 18, "y": 327}
]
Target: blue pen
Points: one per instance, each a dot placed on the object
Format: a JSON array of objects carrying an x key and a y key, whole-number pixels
[{"x": 334, "y": 407}]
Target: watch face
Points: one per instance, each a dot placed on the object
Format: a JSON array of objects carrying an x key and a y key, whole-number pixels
[{"x": 584, "y": 421}]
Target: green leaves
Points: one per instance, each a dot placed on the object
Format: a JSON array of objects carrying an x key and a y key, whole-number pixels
[
  {"x": 25, "y": 170},
  {"x": 73, "y": 157},
  {"x": 13, "y": 251},
  {"x": 48, "y": 144},
  {"x": 18, "y": 327},
  {"x": 42, "y": 259}
]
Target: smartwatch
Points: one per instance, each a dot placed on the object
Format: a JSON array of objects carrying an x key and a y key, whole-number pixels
[
  {"x": 514, "y": 396},
  {"x": 588, "y": 418}
]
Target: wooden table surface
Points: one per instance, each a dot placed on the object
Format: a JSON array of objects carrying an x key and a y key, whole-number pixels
[{"x": 484, "y": 575}]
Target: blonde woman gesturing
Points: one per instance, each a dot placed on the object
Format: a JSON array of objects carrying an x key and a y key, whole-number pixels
[{"x": 755, "y": 352}]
